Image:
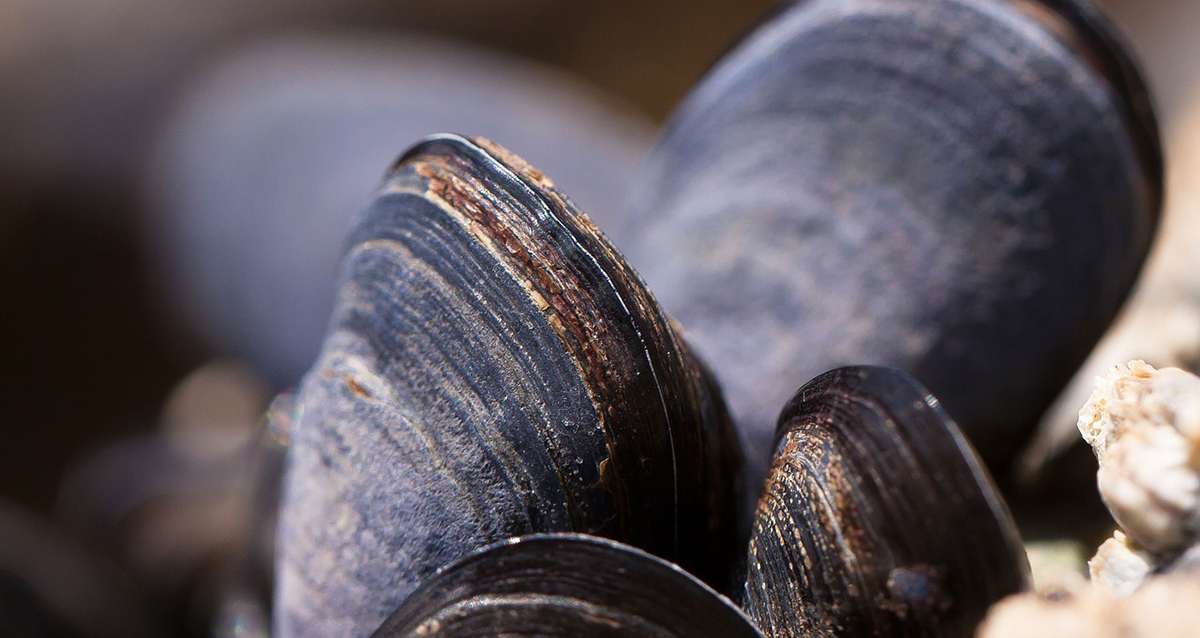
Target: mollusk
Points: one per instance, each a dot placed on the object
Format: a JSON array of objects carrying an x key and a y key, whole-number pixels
[
  {"x": 877, "y": 519},
  {"x": 493, "y": 368},
  {"x": 566, "y": 585}
]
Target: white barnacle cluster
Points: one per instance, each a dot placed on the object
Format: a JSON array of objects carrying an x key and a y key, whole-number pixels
[{"x": 1144, "y": 426}]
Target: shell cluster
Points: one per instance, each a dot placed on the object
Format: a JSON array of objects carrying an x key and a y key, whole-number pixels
[{"x": 868, "y": 200}]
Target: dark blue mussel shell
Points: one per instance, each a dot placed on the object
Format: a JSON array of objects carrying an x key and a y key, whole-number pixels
[{"x": 493, "y": 368}]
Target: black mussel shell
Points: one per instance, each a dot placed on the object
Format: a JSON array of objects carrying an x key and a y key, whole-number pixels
[
  {"x": 565, "y": 585},
  {"x": 493, "y": 368},
  {"x": 877, "y": 519},
  {"x": 964, "y": 189}
]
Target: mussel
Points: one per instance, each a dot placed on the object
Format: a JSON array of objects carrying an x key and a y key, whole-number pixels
[
  {"x": 239, "y": 240},
  {"x": 493, "y": 368},
  {"x": 566, "y": 585},
  {"x": 964, "y": 189},
  {"x": 876, "y": 519}
]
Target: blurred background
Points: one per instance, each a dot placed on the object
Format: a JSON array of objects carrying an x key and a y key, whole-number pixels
[
  {"x": 176, "y": 178},
  {"x": 95, "y": 89}
]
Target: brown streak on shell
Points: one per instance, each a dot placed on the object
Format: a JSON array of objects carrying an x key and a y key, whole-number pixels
[{"x": 559, "y": 296}]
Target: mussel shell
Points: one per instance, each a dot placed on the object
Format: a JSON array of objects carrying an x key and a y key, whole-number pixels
[
  {"x": 565, "y": 585},
  {"x": 493, "y": 368},
  {"x": 242, "y": 234},
  {"x": 877, "y": 518},
  {"x": 964, "y": 189}
]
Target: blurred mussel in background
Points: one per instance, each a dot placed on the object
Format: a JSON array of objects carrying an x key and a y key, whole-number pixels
[{"x": 961, "y": 189}]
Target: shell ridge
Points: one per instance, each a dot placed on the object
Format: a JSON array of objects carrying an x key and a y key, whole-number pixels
[{"x": 545, "y": 207}]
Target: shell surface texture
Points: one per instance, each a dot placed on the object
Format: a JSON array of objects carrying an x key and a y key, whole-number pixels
[
  {"x": 964, "y": 189},
  {"x": 566, "y": 585},
  {"x": 493, "y": 368},
  {"x": 876, "y": 519}
]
